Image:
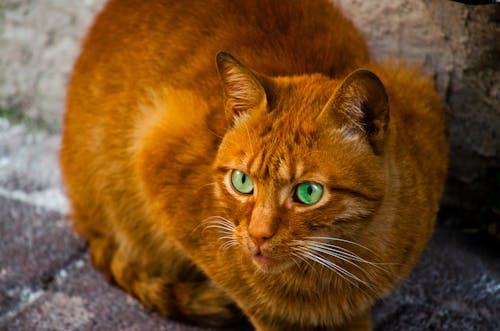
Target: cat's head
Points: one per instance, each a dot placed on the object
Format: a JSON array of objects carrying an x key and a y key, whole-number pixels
[{"x": 299, "y": 173}]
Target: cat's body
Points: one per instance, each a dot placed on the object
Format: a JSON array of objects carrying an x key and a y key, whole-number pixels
[{"x": 152, "y": 152}]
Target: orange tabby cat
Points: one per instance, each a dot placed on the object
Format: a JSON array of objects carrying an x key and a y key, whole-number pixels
[{"x": 296, "y": 190}]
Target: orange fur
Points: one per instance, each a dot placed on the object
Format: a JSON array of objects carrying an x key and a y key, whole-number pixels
[{"x": 152, "y": 133}]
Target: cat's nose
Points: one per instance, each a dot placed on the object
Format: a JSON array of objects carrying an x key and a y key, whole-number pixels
[
  {"x": 261, "y": 230},
  {"x": 258, "y": 241}
]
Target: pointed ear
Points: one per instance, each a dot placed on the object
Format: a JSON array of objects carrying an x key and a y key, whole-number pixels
[
  {"x": 361, "y": 104},
  {"x": 242, "y": 89}
]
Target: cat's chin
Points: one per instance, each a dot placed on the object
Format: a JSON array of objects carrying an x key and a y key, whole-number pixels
[{"x": 269, "y": 264}]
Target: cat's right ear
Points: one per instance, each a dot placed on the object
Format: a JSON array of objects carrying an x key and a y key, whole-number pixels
[
  {"x": 242, "y": 90},
  {"x": 361, "y": 104}
]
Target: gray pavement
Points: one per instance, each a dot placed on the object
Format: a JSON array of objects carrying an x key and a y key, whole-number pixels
[{"x": 48, "y": 283}]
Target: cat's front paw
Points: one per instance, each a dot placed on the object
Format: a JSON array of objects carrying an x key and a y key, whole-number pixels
[{"x": 199, "y": 303}]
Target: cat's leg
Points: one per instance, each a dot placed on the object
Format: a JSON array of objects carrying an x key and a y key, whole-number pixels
[
  {"x": 93, "y": 225},
  {"x": 165, "y": 281},
  {"x": 197, "y": 301},
  {"x": 102, "y": 250},
  {"x": 201, "y": 303}
]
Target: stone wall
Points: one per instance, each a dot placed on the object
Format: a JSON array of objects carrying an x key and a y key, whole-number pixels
[
  {"x": 39, "y": 40},
  {"x": 457, "y": 44}
]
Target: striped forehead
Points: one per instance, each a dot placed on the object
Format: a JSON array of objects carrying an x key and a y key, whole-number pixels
[{"x": 275, "y": 164}]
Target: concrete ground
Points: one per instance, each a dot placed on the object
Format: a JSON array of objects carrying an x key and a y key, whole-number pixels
[{"x": 48, "y": 283}]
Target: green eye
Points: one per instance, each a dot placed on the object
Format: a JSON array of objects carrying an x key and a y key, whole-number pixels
[
  {"x": 241, "y": 182},
  {"x": 308, "y": 193}
]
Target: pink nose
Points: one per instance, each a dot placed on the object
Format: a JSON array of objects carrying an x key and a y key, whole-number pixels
[{"x": 261, "y": 230}]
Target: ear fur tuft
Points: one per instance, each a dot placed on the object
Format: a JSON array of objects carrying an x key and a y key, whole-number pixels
[
  {"x": 361, "y": 102},
  {"x": 241, "y": 87}
]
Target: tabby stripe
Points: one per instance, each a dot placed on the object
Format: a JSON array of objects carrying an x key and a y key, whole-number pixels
[{"x": 353, "y": 193}]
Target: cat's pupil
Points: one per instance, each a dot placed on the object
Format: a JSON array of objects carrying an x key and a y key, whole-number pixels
[{"x": 309, "y": 189}]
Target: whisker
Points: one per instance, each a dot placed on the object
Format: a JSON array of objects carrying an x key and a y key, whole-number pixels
[
  {"x": 227, "y": 244},
  {"x": 300, "y": 257},
  {"x": 343, "y": 240},
  {"x": 307, "y": 252},
  {"x": 333, "y": 254},
  {"x": 332, "y": 266},
  {"x": 219, "y": 226},
  {"x": 220, "y": 222},
  {"x": 329, "y": 246},
  {"x": 343, "y": 251},
  {"x": 218, "y": 218},
  {"x": 333, "y": 247},
  {"x": 335, "y": 266},
  {"x": 224, "y": 226},
  {"x": 215, "y": 134},
  {"x": 214, "y": 221}
]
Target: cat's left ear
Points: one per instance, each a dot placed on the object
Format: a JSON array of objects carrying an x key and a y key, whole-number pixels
[
  {"x": 361, "y": 104},
  {"x": 242, "y": 89}
]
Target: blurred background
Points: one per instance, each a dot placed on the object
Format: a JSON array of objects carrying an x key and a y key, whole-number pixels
[{"x": 459, "y": 45}]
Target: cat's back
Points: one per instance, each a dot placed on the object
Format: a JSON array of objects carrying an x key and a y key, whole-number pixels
[{"x": 145, "y": 43}]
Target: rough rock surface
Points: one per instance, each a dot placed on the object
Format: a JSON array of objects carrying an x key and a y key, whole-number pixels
[{"x": 39, "y": 41}]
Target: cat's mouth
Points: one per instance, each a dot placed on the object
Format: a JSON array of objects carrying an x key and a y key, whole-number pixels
[
  {"x": 268, "y": 263},
  {"x": 260, "y": 258},
  {"x": 266, "y": 257},
  {"x": 265, "y": 262}
]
